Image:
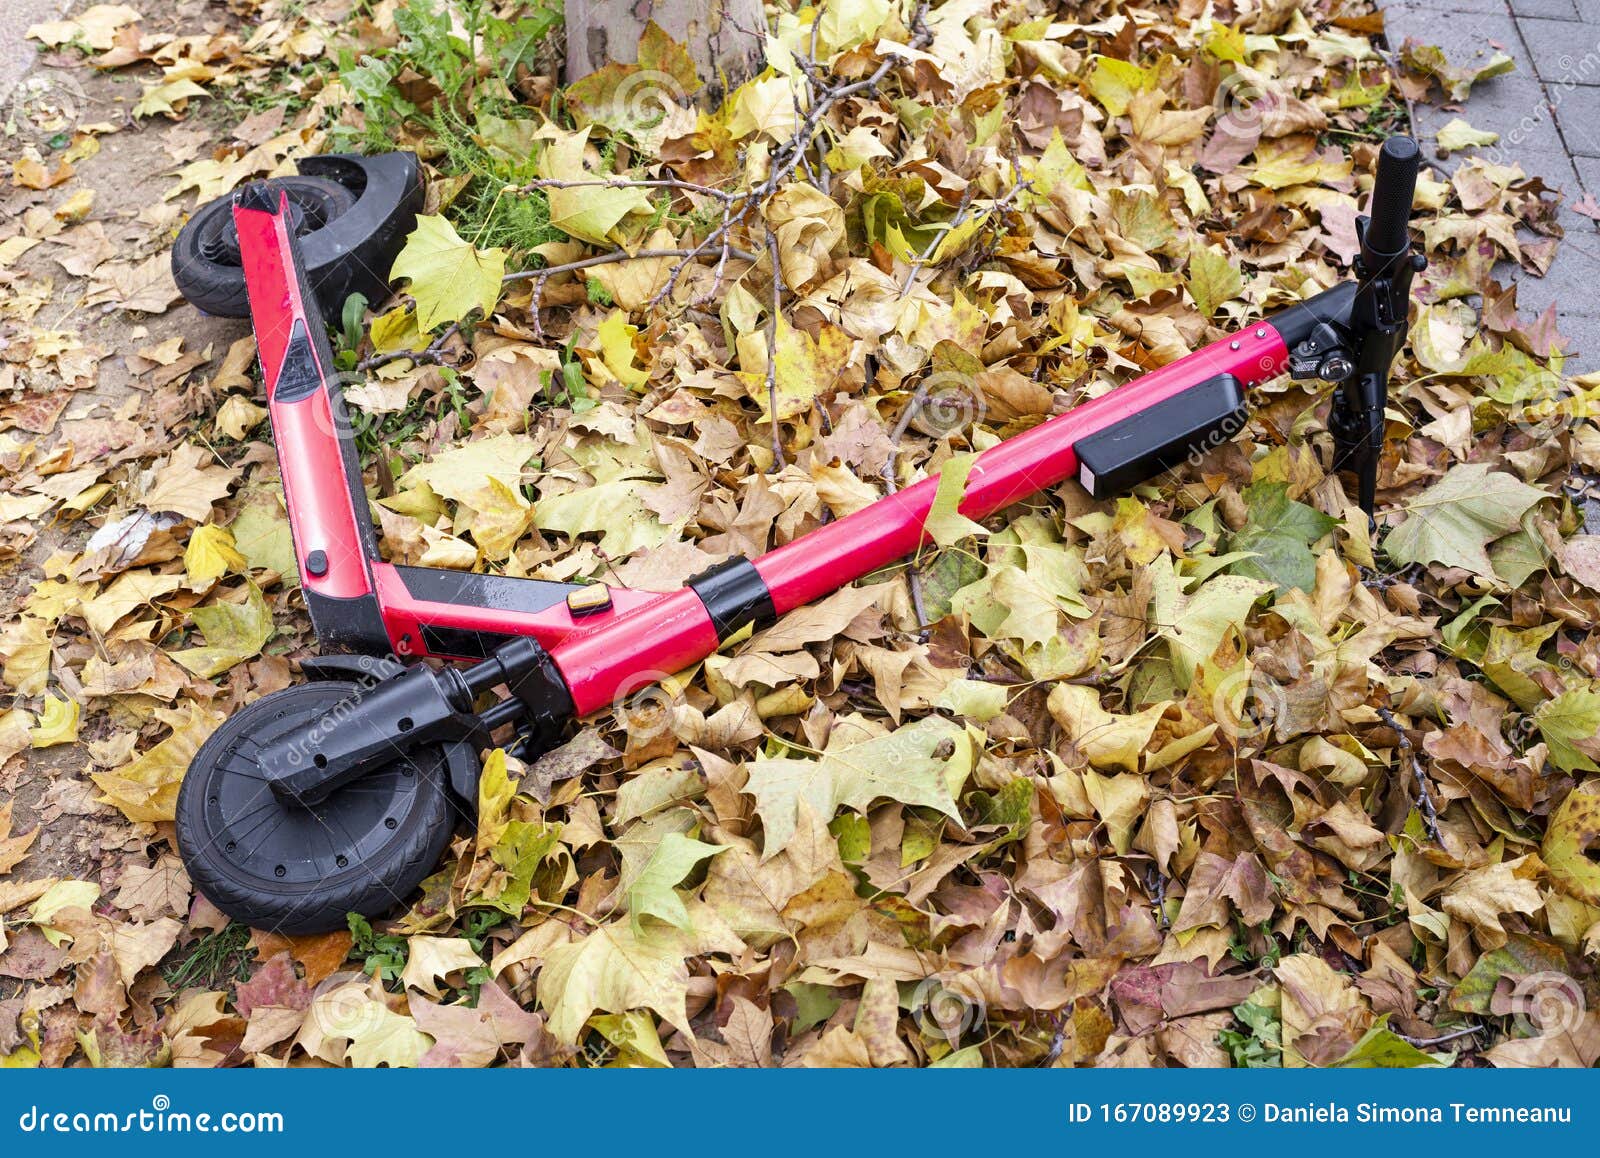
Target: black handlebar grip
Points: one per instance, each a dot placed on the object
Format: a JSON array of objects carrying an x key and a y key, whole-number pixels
[{"x": 1399, "y": 162}]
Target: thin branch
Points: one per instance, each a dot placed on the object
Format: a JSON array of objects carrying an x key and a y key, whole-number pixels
[
  {"x": 540, "y": 276},
  {"x": 1425, "y": 1042},
  {"x": 634, "y": 183},
  {"x": 778, "y": 461},
  {"x": 965, "y": 208},
  {"x": 791, "y": 154},
  {"x": 619, "y": 255},
  {"x": 433, "y": 355},
  {"x": 927, "y": 253},
  {"x": 1430, "y": 814},
  {"x": 891, "y": 484}
]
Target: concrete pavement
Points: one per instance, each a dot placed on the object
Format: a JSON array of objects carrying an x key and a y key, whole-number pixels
[{"x": 1547, "y": 113}]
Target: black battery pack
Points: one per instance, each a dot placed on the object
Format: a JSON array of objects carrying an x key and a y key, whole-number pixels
[{"x": 1140, "y": 447}]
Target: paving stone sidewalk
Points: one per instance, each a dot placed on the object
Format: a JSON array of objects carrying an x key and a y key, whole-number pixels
[{"x": 1547, "y": 113}]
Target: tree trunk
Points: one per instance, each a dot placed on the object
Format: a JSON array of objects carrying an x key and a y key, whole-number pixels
[{"x": 723, "y": 36}]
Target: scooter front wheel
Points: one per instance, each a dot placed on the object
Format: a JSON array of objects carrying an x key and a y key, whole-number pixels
[{"x": 292, "y": 868}]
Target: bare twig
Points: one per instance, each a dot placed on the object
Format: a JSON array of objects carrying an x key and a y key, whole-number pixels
[
  {"x": 540, "y": 276},
  {"x": 778, "y": 461},
  {"x": 635, "y": 183},
  {"x": 962, "y": 212},
  {"x": 433, "y": 355},
  {"x": 792, "y": 153},
  {"x": 1425, "y": 1042},
  {"x": 1430, "y": 814},
  {"x": 927, "y": 253},
  {"x": 608, "y": 258},
  {"x": 891, "y": 484}
]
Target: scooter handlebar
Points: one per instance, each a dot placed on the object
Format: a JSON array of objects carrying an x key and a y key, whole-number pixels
[{"x": 1393, "y": 188}]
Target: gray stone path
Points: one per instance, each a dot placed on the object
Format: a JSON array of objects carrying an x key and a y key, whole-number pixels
[
  {"x": 1547, "y": 113},
  {"x": 17, "y": 53}
]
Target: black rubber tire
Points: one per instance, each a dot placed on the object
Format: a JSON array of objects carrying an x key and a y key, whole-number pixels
[
  {"x": 212, "y": 279},
  {"x": 394, "y": 862}
]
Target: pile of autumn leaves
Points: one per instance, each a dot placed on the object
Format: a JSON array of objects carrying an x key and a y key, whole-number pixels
[{"x": 1150, "y": 789}]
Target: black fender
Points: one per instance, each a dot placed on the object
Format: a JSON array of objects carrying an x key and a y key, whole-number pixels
[{"x": 352, "y": 253}]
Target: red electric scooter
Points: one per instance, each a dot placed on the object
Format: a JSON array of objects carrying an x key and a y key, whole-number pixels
[{"x": 340, "y": 794}]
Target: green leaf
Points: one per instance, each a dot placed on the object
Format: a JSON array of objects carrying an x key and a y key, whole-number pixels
[
  {"x": 588, "y": 212},
  {"x": 1573, "y": 831},
  {"x": 1212, "y": 279},
  {"x": 234, "y": 632},
  {"x": 1511, "y": 660},
  {"x": 653, "y": 893},
  {"x": 524, "y": 846},
  {"x": 615, "y": 509},
  {"x": 945, "y": 524},
  {"x": 1195, "y": 624},
  {"x": 1279, "y": 532},
  {"x": 449, "y": 277},
  {"x": 1379, "y": 1048},
  {"x": 853, "y": 834},
  {"x": 1458, "y": 135},
  {"x": 1518, "y": 957},
  {"x": 1452, "y": 521},
  {"x": 1115, "y": 82},
  {"x": 261, "y": 533},
  {"x": 814, "y": 1004},
  {"x": 914, "y": 765},
  {"x": 1571, "y": 717}
]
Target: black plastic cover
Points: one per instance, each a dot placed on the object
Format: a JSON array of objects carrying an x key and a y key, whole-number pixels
[
  {"x": 735, "y": 595},
  {"x": 1140, "y": 447}
]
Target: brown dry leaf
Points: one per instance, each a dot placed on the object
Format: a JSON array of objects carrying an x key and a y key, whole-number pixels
[
  {"x": 13, "y": 847},
  {"x": 188, "y": 484}
]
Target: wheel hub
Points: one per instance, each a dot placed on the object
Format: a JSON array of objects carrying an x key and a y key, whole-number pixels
[{"x": 307, "y": 213}]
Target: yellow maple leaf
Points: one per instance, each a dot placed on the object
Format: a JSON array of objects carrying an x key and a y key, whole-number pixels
[
  {"x": 618, "y": 352},
  {"x": 146, "y": 788},
  {"x": 450, "y": 277},
  {"x": 210, "y": 555},
  {"x": 589, "y": 212},
  {"x": 58, "y": 724}
]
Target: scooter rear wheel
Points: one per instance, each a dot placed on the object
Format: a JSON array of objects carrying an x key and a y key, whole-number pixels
[
  {"x": 205, "y": 257},
  {"x": 297, "y": 869}
]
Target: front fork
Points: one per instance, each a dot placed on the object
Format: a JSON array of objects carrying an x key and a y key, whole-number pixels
[{"x": 1357, "y": 418}]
